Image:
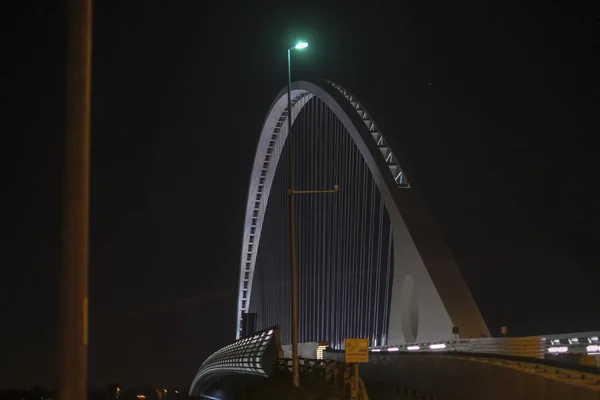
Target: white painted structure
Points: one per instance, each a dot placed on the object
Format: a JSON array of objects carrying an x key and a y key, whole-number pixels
[{"x": 429, "y": 296}]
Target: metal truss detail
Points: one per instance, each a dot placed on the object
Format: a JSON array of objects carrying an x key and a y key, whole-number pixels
[
  {"x": 385, "y": 149},
  {"x": 258, "y": 200}
]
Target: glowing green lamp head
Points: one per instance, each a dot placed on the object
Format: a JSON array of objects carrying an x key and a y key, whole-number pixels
[{"x": 301, "y": 45}]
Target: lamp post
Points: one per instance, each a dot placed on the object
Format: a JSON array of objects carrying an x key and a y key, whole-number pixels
[
  {"x": 292, "y": 192},
  {"x": 295, "y": 361},
  {"x": 73, "y": 344}
]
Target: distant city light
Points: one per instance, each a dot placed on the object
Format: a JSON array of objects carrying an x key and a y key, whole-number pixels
[{"x": 141, "y": 396}]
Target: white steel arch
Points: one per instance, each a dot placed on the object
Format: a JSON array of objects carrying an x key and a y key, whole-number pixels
[{"x": 429, "y": 296}]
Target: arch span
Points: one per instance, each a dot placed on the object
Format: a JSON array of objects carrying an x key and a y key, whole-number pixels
[{"x": 440, "y": 298}]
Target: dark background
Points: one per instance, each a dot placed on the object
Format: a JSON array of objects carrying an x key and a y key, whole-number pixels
[{"x": 494, "y": 105}]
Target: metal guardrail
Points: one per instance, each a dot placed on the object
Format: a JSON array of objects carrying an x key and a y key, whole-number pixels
[
  {"x": 336, "y": 373},
  {"x": 325, "y": 369},
  {"x": 531, "y": 346},
  {"x": 543, "y": 364},
  {"x": 573, "y": 343},
  {"x": 519, "y": 346},
  {"x": 580, "y": 375},
  {"x": 539, "y": 364},
  {"x": 584, "y": 376},
  {"x": 254, "y": 355}
]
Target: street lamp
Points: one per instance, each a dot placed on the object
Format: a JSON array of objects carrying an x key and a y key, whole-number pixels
[
  {"x": 292, "y": 192},
  {"x": 295, "y": 361}
]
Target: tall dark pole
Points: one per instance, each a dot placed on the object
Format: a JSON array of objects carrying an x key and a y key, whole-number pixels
[
  {"x": 295, "y": 362},
  {"x": 72, "y": 383}
]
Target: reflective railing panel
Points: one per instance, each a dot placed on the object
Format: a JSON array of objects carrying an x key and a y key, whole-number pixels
[{"x": 253, "y": 355}]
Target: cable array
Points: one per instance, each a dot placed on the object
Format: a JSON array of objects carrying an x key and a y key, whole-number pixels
[{"x": 344, "y": 240}]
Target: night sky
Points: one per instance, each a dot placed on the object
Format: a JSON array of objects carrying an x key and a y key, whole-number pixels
[{"x": 495, "y": 106}]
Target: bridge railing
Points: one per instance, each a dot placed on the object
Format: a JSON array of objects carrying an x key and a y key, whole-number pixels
[
  {"x": 531, "y": 346},
  {"x": 336, "y": 373},
  {"x": 317, "y": 368},
  {"x": 518, "y": 346},
  {"x": 574, "y": 343},
  {"x": 255, "y": 355}
]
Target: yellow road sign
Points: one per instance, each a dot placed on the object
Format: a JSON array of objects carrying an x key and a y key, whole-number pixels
[{"x": 357, "y": 350}]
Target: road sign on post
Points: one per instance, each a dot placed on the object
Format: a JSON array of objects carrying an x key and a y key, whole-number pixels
[{"x": 357, "y": 350}]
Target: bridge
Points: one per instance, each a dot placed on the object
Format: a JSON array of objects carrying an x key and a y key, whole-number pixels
[{"x": 372, "y": 263}]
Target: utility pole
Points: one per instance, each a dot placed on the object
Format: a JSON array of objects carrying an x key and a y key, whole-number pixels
[{"x": 72, "y": 383}]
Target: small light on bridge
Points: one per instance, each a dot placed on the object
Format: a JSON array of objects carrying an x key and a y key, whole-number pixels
[
  {"x": 562, "y": 349},
  {"x": 393, "y": 349},
  {"x": 437, "y": 346},
  {"x": 375, "y": 350},
  {"x": 320, "y": 350},
  {"x": 592, "y": 348},
  {"x": 413, "y": 348}
]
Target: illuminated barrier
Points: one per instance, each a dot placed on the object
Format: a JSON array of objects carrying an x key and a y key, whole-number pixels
[
  {"x": 397, "y": 372},
  {"x": 320, "y": 349},
  {"x": 311, "y": 350},
  {"x": 578, "y": 348},
  {"x": 252, "y": 356},
  {"x": 584, "y": 343},
  {"x": 518, "y": 346}
]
